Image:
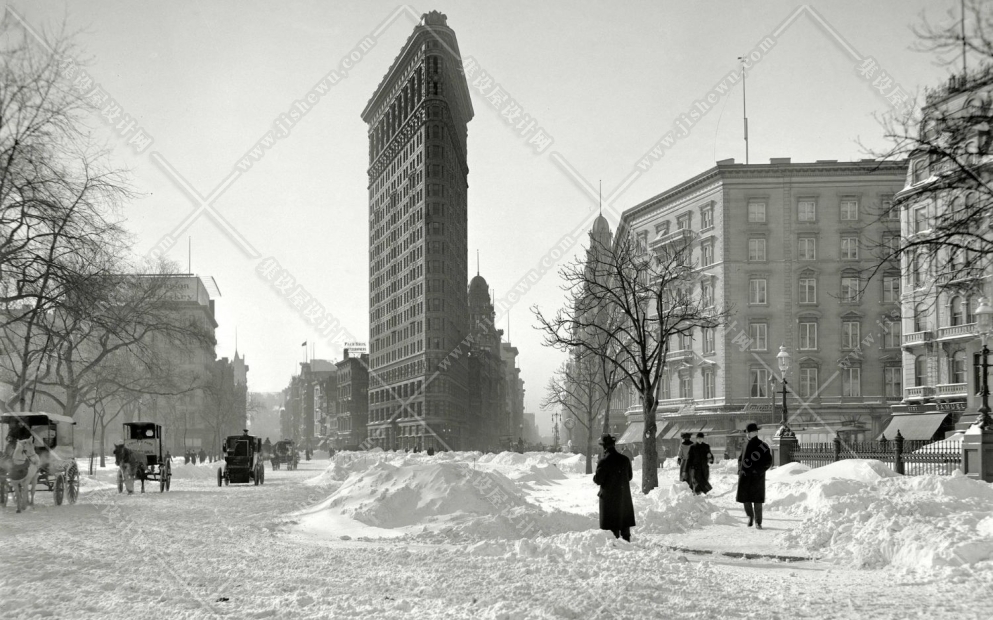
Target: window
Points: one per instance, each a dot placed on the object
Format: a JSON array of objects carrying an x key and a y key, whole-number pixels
[
  {"x": 851, "y": 381},
  {"x": 709, "y": 340},
  {"x": 849, "y": 248},
  {"x": 662, "y": 229},
  {"x": 807, "y": 248},
  {"x": 920, "y": 371},
  {"x": 889, "y": 212},
  {"x": 971, "y": 304},
  {"x": 756, "y": 250},
  {"x": 892, "y": 336},
  {"x": 759, "y": 333},
  {"x": 806, "y": 211},
  {"x": 891, "y": 246},
  {"x": 891, "y": 289},
  {"x": 955, "y": 314},
  {"x": 920, "y": 219},
  {"x": 643, "y": 241},
  {"x": 919, "y": 171},
  {"x": 683, "y": 222},
  {"x": 957, "y": 367},
  {"x": 893, "y": 380},
  {"x": 707, "y": 218},
  {"x": 756, "y": 212},
  {"x": 707, "y": 294},
  {"x": 808, "y": 336},
  {"x": 917, "y": 268},
  {"x": 920, "y": 318},
  {"x": 686, "y": 386},
  {"x": 850, "y": 334},
  {"x": 850, "y": 289},
  {"x": 849, "y": 210},
  {"x": 709, "y": 385},
  {"x": 759, "y": 383},
  {"x": 808, "y": 382},
  {"x": 666, "y": 390},
  {"x": 686, "y": 342},
  {"x": 757, "y": 291},
  {"x": 707, "y": 253},
  {"x": 808, "y": 290}
]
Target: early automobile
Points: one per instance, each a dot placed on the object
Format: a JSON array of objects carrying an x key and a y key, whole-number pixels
[
  {"x": 285, "y": 453},
  {"x": 242, "y": 461},
  {"x": 143, "y": 457}
]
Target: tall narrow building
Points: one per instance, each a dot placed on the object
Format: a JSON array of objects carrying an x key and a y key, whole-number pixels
[{"x": 418, "y": 256}]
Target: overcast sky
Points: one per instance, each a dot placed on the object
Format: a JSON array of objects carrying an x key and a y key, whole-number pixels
[{"x": 207, "y": 80}]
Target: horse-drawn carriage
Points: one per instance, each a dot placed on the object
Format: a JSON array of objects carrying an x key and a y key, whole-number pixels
[
  {"x": 38, "y": 450},
  {"x": 285, "y": 453},
  {"x": 242, "y": 461},
  {"x": 141, "y": 457}
]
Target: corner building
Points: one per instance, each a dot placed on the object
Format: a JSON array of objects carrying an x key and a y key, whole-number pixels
[{"x": 418, "y": 254}]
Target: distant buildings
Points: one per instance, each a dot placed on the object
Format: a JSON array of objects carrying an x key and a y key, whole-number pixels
[{"x": 351, "y": 402}]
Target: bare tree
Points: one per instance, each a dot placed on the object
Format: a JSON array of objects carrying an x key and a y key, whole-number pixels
[
  {"x": 653, "y": 295},
  {"x": 947, "y": 207}
]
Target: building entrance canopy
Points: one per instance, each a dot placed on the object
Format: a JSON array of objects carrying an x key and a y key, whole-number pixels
[{"x": 914, "y": 426}]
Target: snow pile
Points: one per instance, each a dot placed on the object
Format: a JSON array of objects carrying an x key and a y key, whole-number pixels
[
  {"x": 447, "y": 500},
  {"x": 674, "y": 509},
  {"x": 200, "y": 471},
  {"x": 786, "y": 472},
  {"x": 570, "y": 547},
  {"x": 542, "y": 475},
  {"x": 863, "y": 514}
]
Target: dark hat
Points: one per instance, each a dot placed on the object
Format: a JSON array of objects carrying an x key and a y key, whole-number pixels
[
  {"x": 752, "y": 428},
  {"x": 700, "y": 435},
  {"x": 685, "y": 435},
  {"x": 608, "y": 440}
]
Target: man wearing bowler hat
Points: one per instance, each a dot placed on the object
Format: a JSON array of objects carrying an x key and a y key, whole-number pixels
[
  {"x": 754, "y": 460},
  {"x": 613, "y": 474}
]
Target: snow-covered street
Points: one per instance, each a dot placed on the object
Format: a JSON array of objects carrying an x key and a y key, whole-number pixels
[{"x": 397, "y": 535}]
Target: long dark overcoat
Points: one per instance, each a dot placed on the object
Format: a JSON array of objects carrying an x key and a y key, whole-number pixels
[
  {"x": 613, "y": 474},
  {"x": 698, "y": 461},
  {"x": 754, "y": 460},
  {"x": 684, "y": 452}
]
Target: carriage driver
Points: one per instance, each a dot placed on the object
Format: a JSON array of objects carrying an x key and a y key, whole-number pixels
[{"x": 16, "y": 431}]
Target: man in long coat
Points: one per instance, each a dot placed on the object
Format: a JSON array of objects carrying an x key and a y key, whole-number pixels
[
  {"x": 681, "y": 459},
  {"x": 613, "y": 474},
  {"x": 754, "y": 460},
  {"x": 698, "y": 461}
]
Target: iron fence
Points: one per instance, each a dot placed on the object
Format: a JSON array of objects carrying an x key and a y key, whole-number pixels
[{"x": 911, "y": 458}]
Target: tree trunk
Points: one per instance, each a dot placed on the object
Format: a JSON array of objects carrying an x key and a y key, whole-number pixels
[
  {"x": 589, "y": 445},
  {"x": 103, "y": 451},
  {"x": 650, "y": 454}
]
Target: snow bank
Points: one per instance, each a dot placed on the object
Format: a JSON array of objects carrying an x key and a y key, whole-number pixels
[
  {"x": 200, "y": 471},
  {"x": 446, "y": 500},
  {"x": 786, "y": 472},
  {"x": 571, "y": 547},
  {"x": 674, "y": 509},
  {"x": 864, "y": 515}
]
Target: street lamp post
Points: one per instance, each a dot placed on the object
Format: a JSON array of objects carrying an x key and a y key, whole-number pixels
[
  {"x": 784, "y": 441},
  {"x": 977, "y": 443}
]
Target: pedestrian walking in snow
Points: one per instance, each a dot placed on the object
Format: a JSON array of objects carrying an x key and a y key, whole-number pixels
[
  {"x": 684, "y": 452},
  {"x": 203, "y": 456},
  {"x": 698, "y": 461},
  {"x": 613, "y": 474},
  {"x": 754, "y": 460}
]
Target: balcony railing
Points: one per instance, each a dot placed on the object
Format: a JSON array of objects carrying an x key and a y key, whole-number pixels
[
  {"x": 679, "y": 355},
  {"x": 680, "y": 234},
  {"x": 919, "y": 391},
  {"x": 968, "y": 330},
  {"x": 952, "y": 389},
  {"x": 916, "y": 338}
]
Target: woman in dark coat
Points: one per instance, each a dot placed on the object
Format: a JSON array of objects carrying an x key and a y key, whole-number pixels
[
  {"x": 698, "y": 462},
  {"x": 754, "y": 460},
  {"x": 684, "y": 452},
  {"x": 613, "y": 474}
]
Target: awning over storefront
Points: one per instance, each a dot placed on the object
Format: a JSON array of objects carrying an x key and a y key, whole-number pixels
[
  {"x": 673, "y": 432},
  {"x": 633, "y": 434},
  {"x": 914, "y": 426}
]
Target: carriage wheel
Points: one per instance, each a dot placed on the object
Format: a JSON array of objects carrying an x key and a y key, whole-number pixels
[
  {"x": 262, "y": 481},
  {"x": 162, "y": 481},
  {"x": 4, "y": 489},
  {"x": 255, "y": 476},
  {"x": 168, "y": 481},
  {"x": 120, "y": 481},
  {"x": 60, "y": 489},
  {"x": 220, "y": 477},
  {"x": 72, "y": 485}
]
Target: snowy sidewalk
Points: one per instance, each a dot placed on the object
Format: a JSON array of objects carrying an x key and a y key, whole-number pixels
[{"x": 739, "y": 540}]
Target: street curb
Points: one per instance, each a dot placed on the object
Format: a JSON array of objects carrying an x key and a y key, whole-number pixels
[{"x": 741, "y": 555}]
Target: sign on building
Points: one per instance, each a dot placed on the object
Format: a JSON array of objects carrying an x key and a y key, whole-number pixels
[{"x": 356, "y": 348}]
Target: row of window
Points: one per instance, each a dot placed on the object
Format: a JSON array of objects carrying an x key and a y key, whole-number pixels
[
  {"x": 762, "y": 383},
  {"x": 758, "y": 337},
  {"x": 806, "y": 211},
  {"x": 806, "y": 249},
  {"x": 758, "y": 290}
]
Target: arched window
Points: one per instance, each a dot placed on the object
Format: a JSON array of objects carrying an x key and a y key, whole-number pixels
[
  {"x": 920, "y": 371},
  {"x": 957, "y": 367},
  {"x": 971, "y": 303},
  {"x": 920, "y": 318},
  {"x": 956, "y": 315}
]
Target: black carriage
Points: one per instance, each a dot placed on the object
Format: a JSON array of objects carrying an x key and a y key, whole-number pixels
[
  {"x": 52, "y": 439},
  {"x": 285, "y": 453},
  {"x": 242, "y": 461},
  {"x": 145, "y": 440}
]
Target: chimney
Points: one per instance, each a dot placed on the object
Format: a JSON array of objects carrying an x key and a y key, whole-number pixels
[
  {"x": 344, "y": 355},
  {"x": 779, "y": 160}
]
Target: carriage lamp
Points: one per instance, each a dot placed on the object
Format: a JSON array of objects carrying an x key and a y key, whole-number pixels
[
  {"x": 784, "y": 364},
  {"x": 984, "y": 324}
]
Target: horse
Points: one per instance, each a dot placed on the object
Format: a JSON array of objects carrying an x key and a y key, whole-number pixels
[
  {"x": 21, "y": 468},
  {"x": 131, "y": 464}
]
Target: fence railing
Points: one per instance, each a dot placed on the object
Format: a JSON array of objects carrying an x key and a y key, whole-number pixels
[{"x": 908, "y": 457}]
